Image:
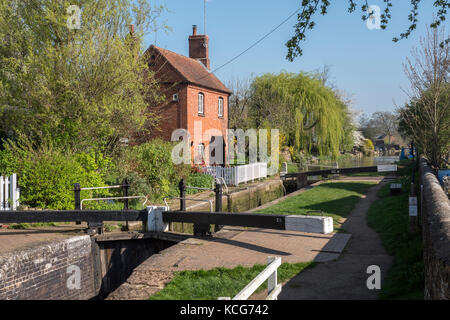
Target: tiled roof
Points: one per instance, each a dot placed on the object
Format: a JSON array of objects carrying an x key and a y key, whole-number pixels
[{"x": 192, "y": 70}]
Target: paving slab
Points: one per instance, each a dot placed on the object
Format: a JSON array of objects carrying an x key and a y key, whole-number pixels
[{"x": 230, "y": 247}]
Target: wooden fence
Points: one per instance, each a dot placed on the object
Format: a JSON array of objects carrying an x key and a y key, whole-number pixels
[
  {"x": 239, "y": 174},
  {"x": 9, "y": 193},
  {"x": 269, "y": 274}
]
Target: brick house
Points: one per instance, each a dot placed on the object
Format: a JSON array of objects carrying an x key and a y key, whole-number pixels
[{"x": 192, "y": 95}]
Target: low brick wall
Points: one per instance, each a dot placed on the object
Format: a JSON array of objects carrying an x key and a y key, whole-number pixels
[
  {"x": 60, "y": 270},
  {"x": 436, "y": 236}
]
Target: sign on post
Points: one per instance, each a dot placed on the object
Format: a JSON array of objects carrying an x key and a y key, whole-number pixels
[
  {"x": 413, "y": 206},
  {"x": 387, "y": 167}
]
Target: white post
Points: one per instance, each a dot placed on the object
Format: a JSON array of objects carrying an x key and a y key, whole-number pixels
[
  {"x": 155, "y": 221},
  {"x": 12, "y": 189},
  {"x": 272, "y": 280},
  {"x": 18, "y": 196},
  {"x": 1, "y": 193},
  {"x": 6, "y": 198}
]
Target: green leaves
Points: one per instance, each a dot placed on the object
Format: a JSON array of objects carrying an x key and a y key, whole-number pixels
[
  {"x": 310, "y": 8},
  {"x": 307, "y": 112},
  {"x": 79, "y": 88}
]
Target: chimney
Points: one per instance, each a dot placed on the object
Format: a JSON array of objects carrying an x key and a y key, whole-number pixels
[{"x": 198, "y": 47}]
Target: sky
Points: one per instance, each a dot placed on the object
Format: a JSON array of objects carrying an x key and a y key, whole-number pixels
[{"x": 364, "y": 63}]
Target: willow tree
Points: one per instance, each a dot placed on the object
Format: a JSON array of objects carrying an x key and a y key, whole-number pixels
[
  {"x": 70, "y": 77},
  {"x": 308, "y": 113}
]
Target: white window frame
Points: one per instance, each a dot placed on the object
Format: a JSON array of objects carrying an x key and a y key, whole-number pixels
[
  {"x": 201, "y": 103},
  {"x": 220, "y": 107}
]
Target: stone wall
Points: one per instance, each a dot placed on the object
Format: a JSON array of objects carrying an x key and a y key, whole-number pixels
[
  {"x": 60, "y": 270},
  {"x": 436, "y": 236}
]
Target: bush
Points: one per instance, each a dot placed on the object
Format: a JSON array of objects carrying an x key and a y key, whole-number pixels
[
  {"x": 46, "y": 177},
  {"x": 198, "y": 180}
]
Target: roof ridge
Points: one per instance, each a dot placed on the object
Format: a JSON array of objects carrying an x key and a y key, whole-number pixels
[{"x": 213, "y": 82}]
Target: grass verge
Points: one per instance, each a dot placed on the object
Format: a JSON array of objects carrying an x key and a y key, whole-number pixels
[
  {"x": 388, "y": 215},
  {"x": 220, "y": 282},
  {"x": 334, "y": 199},
  {"x": 24, "y": 226}
]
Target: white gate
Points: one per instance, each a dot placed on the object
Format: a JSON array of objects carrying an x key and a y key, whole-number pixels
[{"x": 9, "y": 193}]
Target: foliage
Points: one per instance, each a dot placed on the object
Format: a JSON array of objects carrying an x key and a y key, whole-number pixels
[
  {"x": 368, "y": 147},
  {"x": 309, "y": 114},
  {"x": 81, "y": 89},
  {"x": 381, "y": 122},
  {"x": 199, "y": 180},
  {"x": 388, "y": 215},
  {"x": 47, "y": 176},
  {"x": 309, "y": 8},
  {"x": 221, "y": 282},
  {"x": 425, "y": 119}
]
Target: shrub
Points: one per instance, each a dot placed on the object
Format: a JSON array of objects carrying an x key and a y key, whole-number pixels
[
  {"x": 198, "y": 180},
  {"x": 46, "y": 177}
]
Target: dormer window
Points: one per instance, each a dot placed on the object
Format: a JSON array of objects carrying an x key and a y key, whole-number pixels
[
  {"x": 201, "y": 103},
  {"x": 220, "y": 108}
]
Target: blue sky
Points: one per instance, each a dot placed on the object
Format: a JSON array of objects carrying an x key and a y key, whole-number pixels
[{"x": 365, "y": 63}]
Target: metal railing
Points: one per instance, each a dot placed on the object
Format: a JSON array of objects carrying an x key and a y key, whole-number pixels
[{"x": 114, "y": 198}]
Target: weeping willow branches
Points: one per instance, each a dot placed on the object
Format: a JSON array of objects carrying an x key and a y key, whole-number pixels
[{"x": 309, "y": 114}]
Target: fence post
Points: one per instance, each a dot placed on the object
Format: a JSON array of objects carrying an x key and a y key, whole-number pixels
[
  {"x": 77, "y": 193},
  {"x": 6, "y": 193},
  {"x": 2, "y": 207},
  {"x": 218, "y": 191},
  {"x": 125, "y": 188},
  {"x": 272, "y": 280},
  {"x": 12, "y": 189}
]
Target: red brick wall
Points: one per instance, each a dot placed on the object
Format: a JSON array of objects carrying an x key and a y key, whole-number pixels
[
  {"x": 210, "y": 120},
  {"x": 172, "y": 114}
]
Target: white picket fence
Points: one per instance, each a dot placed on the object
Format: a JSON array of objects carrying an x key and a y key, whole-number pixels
[
  {"x": 9, "y": 193},
  {"x": 239, "y": 174}
]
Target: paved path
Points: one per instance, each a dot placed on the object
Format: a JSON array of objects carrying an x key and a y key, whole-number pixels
[
  {"x": 345, "y": 278},
  {"x": 15, "y": 239},
  {"x": 231, "y": 247}
]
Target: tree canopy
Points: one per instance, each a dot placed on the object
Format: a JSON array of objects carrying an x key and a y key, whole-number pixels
[
  {"x": 309, "y": 114},
  {"x": 74, "y": 88}
]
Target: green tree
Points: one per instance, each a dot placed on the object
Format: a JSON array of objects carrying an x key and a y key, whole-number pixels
[
  {"x": 426, "y": 119},
  {"x": 308, "y": 113},
  {"x": 309, "y": 8},
  {"x": 77, "y": 89}
]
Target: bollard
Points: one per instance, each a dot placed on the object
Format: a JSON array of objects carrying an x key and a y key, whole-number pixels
[
  {"x": 77, "y": 197},
  {"x": 218, "y": 191},
  {"x": 182, "y": 188}
]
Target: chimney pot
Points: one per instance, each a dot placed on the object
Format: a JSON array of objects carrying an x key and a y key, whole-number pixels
[
  {"x": 132, "y": 29},
  {"x": 194, "y": 30}
]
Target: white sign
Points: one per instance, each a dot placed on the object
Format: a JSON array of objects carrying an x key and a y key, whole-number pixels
[
  {"x": 413, "y": 211},
  {"x": 374, "y": 18},
  {"x": 386, "y": 167},
  {"x": 74, "y": 19},
  {"x": 413, "y": 201},
  {"x": 374, "y": 280}
]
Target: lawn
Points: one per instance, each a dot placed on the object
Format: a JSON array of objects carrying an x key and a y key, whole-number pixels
[
  {"x": 220, "y": 282},
  {"x": 388, "y": 215},
  {"x": 334, "y": 199}
]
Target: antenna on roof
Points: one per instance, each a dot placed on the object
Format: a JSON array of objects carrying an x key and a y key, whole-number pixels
[{"x": 204, "y": 16}]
